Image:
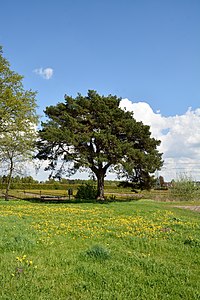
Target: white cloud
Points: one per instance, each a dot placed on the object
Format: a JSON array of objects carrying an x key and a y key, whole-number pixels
[
  {"x": 179, "y": 135},
  {"x": 143, "y": 112},
  {"x": 45, "y": 73}
]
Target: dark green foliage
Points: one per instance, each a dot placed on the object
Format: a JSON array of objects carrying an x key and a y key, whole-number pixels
[
  {"x": 98, "y": 252},
  {"x": 93, "y": 132},
  {"x": 86, "y": 192},
  {"x": 137, "y": 170},
  {"x": 192, "y": 242}
]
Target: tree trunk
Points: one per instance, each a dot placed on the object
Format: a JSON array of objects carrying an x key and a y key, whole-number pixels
[
  {"x": 9, "y": 179},
  {"x": 100, "y": 185}
]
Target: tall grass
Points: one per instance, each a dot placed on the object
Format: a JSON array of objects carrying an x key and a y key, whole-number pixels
[{"x": 134, "y": 250}]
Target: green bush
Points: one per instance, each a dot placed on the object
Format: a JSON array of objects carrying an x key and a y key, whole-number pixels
[
  {"x": 86, "y": 192},
  {"x": 184, "y": 189}
]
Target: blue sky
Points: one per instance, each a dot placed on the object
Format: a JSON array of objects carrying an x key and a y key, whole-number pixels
[{"x": 144, "y": 50}]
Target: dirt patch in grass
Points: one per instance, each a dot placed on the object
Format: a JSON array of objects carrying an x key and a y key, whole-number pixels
[{"x": 194, "y": 208}]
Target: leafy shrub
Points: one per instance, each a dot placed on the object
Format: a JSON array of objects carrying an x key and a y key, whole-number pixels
[
  {"x": 86, "y": 192},
  {"x": 184, "y": 189}
]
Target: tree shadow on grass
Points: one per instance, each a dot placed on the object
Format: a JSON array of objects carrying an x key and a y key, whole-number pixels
[{"x": 80, "y": 201}]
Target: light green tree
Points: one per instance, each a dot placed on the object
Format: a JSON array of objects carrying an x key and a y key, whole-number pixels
[{"x": 18, "y": 120}]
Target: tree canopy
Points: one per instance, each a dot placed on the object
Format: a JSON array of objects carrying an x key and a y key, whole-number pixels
[
  {"x": 17, "y": 106},
  {"x": 18, "y": 119},
  {"x": 94, "y": 132}
]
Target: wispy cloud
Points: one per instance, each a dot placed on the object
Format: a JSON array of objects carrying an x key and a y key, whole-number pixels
[{"x": 45, "y": 73}]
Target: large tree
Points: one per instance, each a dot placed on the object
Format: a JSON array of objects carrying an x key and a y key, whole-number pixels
[
  {"x": 94, "y": 132},
  {"x": 18, "y": 118}
]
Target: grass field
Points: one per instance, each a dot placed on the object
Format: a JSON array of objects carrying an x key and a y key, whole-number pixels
[{"x": 134, "y": 250}]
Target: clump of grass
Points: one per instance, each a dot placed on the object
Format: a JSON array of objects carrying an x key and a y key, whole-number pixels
[
  {"x": 190, "y": 241},
  {"x": 98, "y": 252}
]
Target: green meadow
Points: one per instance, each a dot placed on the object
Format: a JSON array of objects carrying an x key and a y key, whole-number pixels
[{"x": 131, "y": 250}]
